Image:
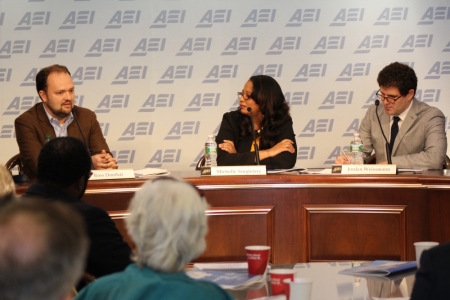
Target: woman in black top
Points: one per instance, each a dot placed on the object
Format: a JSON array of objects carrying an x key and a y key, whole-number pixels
[{"x": 272, "y": 124}]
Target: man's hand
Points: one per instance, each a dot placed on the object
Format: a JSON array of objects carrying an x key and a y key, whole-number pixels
[
  {"x": 104, "y": 161},
  {"x": 342, "y": 160}
]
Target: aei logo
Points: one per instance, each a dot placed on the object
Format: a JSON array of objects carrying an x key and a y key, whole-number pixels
[
  {"x": 357, "y": 69},
  {"x": 273, "y": 70},
  {"x": 352, "y": 128},
  {"x": 239, "y": 44},
  {"x": 123, "y": 17},
  {"x": 104, "y": 127},
  {"x": 20, "y": 104},
  {"x": 370, "y": 100},
  {"x": 30, "y": 79},
  {"x": 348, "y": 15},
  {"x": 372, "y": 42},
  {"x": 308, "y": 71},
  {"x": 296, "y": 98},
  {"x": 36, "y": 18},
  {"x": 218, "y": 72},
  {"x": 203, "y": 100},
  {"x": 75, "y": 18},
  {"x": 58, "y": 46},
  {"x": 306, "y": 152},
  {"x": 149, "y": 45},
  {"x": 259, "y": 16},
  {"x": 14, "y": 47},
  {"x": 435, "y": 14},
  {"x": 447, "y": 48},
  {"x": 7, "y": 132},
  {"x": 168, "y": 17},
  {"x": 317, "y": 126},
  {"x": 182, "y": 128},
  {"x": 194, "y": 44},
  {"x": 160, "y": 100},
  {"x": 101, "y": 46},
  {"x": 286, "y": 43},
  {"x": 328, "y": 43},
  {"x": 416, "y": 41},
  {"x": 439, "y": 68},
  {"x": 86, "y": 73},
  {"x": 112, "y": 101},
  {"x": 176, "y": 72},
  {"x": 300, "y": 16},
  {"x": 130, "y": 73},
  {"x": 164, "y": 156},
  {"x": 5, "y": 74},
  {"x": 337, "y": 98},
  {"x": 124, "y": 156},
  {"x": 216, "y": 16},
  {"x": 428, "y": 95},
  {"x": 392, "y": 14},
  {"x": 137, "y": 128}
]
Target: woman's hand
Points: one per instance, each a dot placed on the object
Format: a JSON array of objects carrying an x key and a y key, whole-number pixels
[
  {"x": 228, "y": 146},
  {"x": 284, "y": 145}
]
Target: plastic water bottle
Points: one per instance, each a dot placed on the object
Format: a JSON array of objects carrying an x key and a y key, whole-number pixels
[
  {"x": 356, "y": 150},
  {"x": 210, "y": 152}
]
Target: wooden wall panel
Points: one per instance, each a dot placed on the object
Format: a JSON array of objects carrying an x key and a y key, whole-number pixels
[{"x": 356, "y": 232}]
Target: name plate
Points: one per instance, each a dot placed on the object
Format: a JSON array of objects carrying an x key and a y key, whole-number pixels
[
  {"x": 112, "y": 174},
  {"x": 233, "y": 170},
  {"x": 364, "y": 169}
]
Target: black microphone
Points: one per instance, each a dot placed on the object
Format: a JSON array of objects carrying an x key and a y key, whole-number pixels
[
  {"x": 82, "y": 135},
  {"x": 388, "y": 152},
  {"x": 249, "y": 109}
]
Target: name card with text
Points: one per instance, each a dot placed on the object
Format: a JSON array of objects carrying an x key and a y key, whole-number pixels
[
  {"x": 233, "y": 170},
  {"x": 112, "y": 174},
  {"x": 364, "y": 169}
]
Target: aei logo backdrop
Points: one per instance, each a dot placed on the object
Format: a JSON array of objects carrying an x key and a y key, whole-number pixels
[{"x": 160, "y": 74}]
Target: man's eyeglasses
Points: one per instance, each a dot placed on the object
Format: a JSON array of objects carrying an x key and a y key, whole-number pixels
[
  {"x": 243, "y": 95},
  {"x": 200, "y": 192},
  {"x": 388, "y": 98}
]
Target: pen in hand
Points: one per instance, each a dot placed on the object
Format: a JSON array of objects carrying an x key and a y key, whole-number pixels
[{"x": 346, "y": 157}]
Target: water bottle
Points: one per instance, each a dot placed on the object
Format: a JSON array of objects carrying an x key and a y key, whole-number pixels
[
  {"x": 356, "y": 150},
  {"x": 210, "y": 152}
]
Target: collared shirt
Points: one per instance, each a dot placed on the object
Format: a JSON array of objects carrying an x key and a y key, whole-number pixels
[
  {"x": 60, "y": 129},
  {"x": 402, "y": 116}
]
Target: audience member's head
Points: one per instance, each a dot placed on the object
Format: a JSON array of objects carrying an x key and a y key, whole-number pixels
[
  {"x": 43, "y": 248},
  {"x": 7, "y": 187},
  {"x": 63, "y": 162},
  {"x": 168, "y": 224},
  {"x": 398, "y": 75}
]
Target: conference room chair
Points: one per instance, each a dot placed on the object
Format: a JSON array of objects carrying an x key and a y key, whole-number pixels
[{"x": 11, "y": 164}]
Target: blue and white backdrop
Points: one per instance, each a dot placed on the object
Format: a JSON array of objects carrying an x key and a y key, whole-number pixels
[{"x": 160, "y": 74}]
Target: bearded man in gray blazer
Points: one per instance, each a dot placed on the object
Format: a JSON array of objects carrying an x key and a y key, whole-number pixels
[{"x": 419, "y": 141}]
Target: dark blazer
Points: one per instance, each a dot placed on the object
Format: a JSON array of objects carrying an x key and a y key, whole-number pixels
[
  {"x": 33, "y": 125},
  {"x": 108, "y": 252},
  {"x": 433, "y": 276},
  {"x": 229, "y": 130}
]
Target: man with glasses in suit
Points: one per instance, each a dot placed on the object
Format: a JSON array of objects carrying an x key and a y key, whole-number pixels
[{"x": 415, "y": 131}]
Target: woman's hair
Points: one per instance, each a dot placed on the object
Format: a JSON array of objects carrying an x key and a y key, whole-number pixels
[
  {"x": 7, "y": 187},
  {"x": 168, "y": 224},
  {"x": 268, "y": 95}
]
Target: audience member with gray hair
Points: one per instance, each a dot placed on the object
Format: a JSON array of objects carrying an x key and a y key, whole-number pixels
[
  {"x": 7, "y": 187},
  {"x": 43, "y": 248},
  {"x": 168, "y": 224}
]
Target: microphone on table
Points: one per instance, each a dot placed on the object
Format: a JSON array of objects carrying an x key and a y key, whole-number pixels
[
  {"x": 249, "y": 109},
  {"x": 388, "y": 152},
  {"x": 82, "y": 135}
]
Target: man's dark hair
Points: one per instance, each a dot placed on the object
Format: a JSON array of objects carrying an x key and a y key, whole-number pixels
[
  {"x": 43, "y": 249},
  {"x": 63, "y": 161},
  {"x": 42, "y": 75},
  {"x": 400, "y": 76}
]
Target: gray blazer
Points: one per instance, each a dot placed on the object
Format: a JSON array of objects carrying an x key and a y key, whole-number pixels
[{"x": 421, "y": 142}]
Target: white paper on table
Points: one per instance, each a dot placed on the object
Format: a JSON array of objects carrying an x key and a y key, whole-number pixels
[
  {"x": 238, "y": 267},
  {"x": 318, "y": 171},
  {"x": 151, "y": 172}
]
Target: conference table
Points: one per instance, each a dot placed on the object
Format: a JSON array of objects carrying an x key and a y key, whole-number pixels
[{"x": 307, "y": 217}]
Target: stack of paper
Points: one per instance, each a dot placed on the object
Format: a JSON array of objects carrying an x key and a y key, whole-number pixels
[{"x": 150, "y": 172}]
